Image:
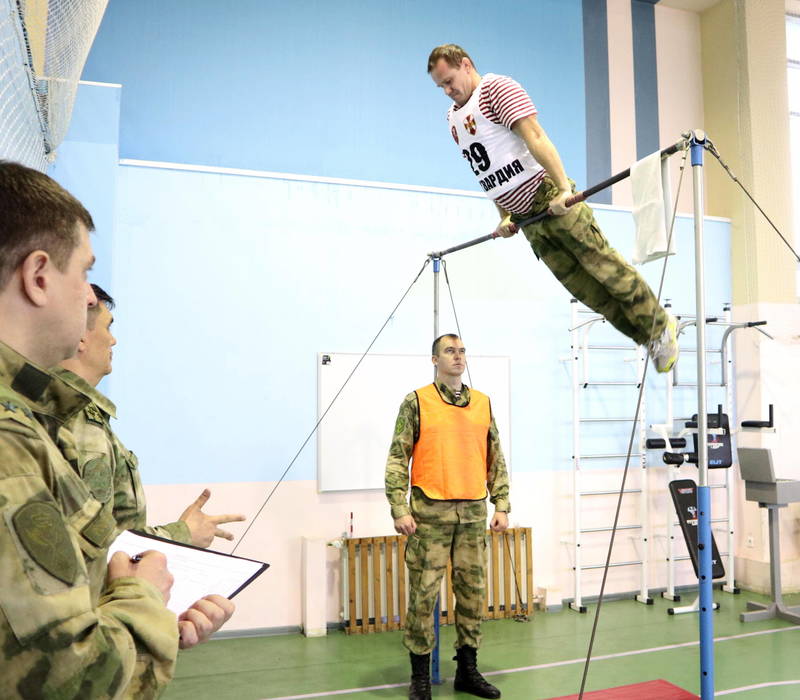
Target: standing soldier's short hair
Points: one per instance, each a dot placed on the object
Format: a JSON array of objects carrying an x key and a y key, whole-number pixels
[
  {"x": 435, "y": 346},
  {"x": 103, "y": 299},
  {"x": 36, "y": 213},
  {"x": 453, "y": 54}
]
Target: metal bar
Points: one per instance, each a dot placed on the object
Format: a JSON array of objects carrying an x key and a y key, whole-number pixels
[
  {"x": 619, "y": 563},
  {"x": 607, "y": 420},
  {"x": 617, "y": 456},
  {"x": 610, "y": 384},
  {"x": 608, "y": 493},
  {"x": 698, "y": 142},
  {"x": 611, "y": 347},
  {"x": 575, "y": 199},
  {"x": 609, "y": 529}
]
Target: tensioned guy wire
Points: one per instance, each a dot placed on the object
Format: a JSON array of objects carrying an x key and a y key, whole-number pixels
[
  {"x": 336, "y": 396},
  {"x": 630, "y": 445}
]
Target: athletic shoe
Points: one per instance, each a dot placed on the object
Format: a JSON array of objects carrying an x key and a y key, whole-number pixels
[{"x": 664, "y": 349}]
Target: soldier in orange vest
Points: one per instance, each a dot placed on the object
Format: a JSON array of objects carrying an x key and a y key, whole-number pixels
[{"x": 447, "y": 432}]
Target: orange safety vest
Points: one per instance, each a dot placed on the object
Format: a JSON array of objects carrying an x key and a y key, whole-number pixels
[{"x": 449, "y": 458}]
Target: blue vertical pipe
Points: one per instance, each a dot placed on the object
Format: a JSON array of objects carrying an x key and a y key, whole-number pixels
[
  {"x": 697, "y": 145},
  {"x": 706, "y": 593},
  {"x": 435, "y": 679}
]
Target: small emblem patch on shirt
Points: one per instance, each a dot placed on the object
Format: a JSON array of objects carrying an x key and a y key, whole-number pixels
[
  {"x": 470, "y": 125},
  {"x": 43, "y": 534}
]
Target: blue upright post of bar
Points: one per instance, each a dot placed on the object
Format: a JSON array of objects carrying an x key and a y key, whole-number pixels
[
  {"x": 697, "y": 144},
  {"x": 706, "y": 593},
  {"x": 435, "y": 679}
]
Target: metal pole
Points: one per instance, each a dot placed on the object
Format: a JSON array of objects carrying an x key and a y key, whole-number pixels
[
  {"x": 436, "y": 265},
  {"x": 435, "y": 677},
  {"x": 697, "y": 144}
]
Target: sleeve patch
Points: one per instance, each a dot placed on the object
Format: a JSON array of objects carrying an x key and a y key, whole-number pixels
[{"x": 42, "y": 532}]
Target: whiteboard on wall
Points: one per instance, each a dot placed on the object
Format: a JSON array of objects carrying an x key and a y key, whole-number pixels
[{"x": 354, "y": 437}]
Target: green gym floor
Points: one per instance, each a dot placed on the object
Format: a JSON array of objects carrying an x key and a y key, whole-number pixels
[{"x": 532, "y": 660}]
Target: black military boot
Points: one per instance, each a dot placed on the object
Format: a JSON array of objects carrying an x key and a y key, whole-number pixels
[
  {"x": 468, "y": 680},
  {"x": 420, "y": 688}
]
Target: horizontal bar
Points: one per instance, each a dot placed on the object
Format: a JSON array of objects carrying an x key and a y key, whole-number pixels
[
  {"x": 684, "y": 557},
  {"x": 620, "y": 563},
  {"x": 694, "y": 386},
  {"x": 617, "y": 456},
  {"x": 610, "y": 383},
  {"x": 575, "y": 199},
  {"x": 610, "y": 420},
  {"x": 609, "y": 493},
  {"x": 612, "y": 347},
  {"x": 610, "y": 528}
]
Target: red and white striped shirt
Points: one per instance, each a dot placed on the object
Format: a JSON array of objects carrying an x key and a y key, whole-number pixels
[{"x": 503, "y": 101}]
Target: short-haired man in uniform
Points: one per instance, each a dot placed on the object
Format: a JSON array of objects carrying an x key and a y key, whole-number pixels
[
  {"x": 108, "y": 467},
  {"x": 57, "y": 639},
  {"x": 447, "y": 431},
  {"x": 495, "y": 126}
]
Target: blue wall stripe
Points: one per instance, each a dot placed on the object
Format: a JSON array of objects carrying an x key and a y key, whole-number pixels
[
  {"x": 645, "y": 76},
  {"x": 598, "y": 117}
]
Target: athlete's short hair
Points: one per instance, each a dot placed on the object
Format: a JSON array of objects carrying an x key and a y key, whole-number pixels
[
  {"x": 104, "y": 298},
  {"x": 435, "y": 346},
  {"x": 453, "y": 54},
  {"x": 37, "y": 214}
]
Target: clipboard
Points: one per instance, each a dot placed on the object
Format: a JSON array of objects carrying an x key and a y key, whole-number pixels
[{"x": 197, "y": 572}]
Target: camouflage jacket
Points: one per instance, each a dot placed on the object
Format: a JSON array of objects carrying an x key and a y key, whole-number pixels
[
  {"x": 110, "y": 470},
  {"x": 56, "y": 641},
  {"x": 406, "y": 431}
]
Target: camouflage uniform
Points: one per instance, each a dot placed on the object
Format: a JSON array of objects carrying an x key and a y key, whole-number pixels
[
  {"x": 109, "y": 469},
  {"x": 578, "y": 254},
  {"x": 455, "y": 529},
  {"x": 56, "y": 642}
]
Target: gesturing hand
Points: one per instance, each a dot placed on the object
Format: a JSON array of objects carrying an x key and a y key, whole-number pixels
[{"x": 203, "y": 528}]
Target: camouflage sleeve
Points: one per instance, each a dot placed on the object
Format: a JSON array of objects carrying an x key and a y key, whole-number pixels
[
  {"x": 177, "y": 531},
  {"x": 405, "y": 431},
  {"x": 497, "y": 480},
  {"x": 55, "y": 642}
]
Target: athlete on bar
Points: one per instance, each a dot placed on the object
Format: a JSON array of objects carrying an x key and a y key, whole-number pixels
[{"x": 494, "y": 124}]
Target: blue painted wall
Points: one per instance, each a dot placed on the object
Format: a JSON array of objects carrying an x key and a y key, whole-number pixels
[{"x": 329, "y": 88}]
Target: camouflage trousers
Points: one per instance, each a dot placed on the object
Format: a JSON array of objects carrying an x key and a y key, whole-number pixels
[
  {"x": 427, "y": 552},
  {"x": 578, "y": 254}
]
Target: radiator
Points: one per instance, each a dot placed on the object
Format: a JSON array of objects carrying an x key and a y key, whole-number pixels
[{"x": 375, "y": 584}]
